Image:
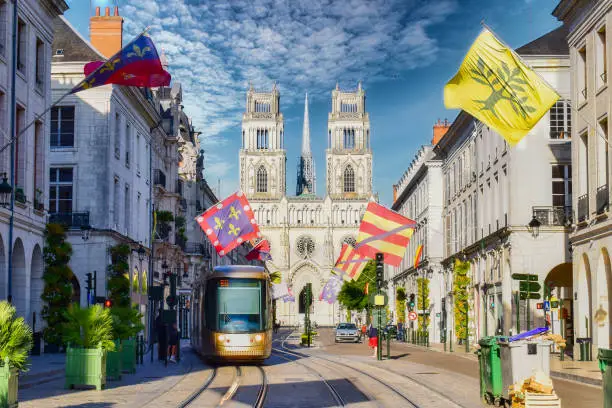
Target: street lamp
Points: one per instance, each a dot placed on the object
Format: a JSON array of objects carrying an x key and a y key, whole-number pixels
[
  {"x": 534, "y": 227},
  {"x": 5, "y": 191},
  {"x": 85, "y": 231},
  {"x": 141, "y": 253}
]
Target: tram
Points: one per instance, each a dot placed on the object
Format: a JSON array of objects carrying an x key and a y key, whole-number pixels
[{"x": 232, "y": 314}]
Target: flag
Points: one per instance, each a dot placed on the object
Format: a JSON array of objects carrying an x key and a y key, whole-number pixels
[
  {"x": 331, "y": 289},
  {"x": 366, "y": 289},
  {"x": 496, "y": 87},
  {"x": 290, "y": 297},
  {"x": 417, "y": 256},
  {"x": 260, "y": 252},
  {"x": 229, "y": 223},
  {"x": 383, "y": 230},
  {"x": 136, "y": 64},
  {"x": 279, "y": 290},
  {"x": 154, "y": 231},
  {"x": 350, "y": 264}
]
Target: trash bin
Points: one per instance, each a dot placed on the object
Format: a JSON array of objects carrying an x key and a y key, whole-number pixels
[
  {"x": 585, "y": 348},
  {"x": 490, "y": 370},
  {"x": 605, "y": 365},
  {"x": 520, "y": 359}
]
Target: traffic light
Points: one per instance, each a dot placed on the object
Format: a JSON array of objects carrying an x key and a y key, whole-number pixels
[
  {"x": 171, "y": 301},
  {"x": 108, "y": 303},
  {"x": 89, "y": 285},
  {"x": 380, "y": 269},
  {"x": 411, "y": 302}
]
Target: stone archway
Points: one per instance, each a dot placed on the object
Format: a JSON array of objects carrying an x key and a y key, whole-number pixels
[
  {"x": 37, "y": 284},
  {"x": 19, "y": 281},
  {"x": 601, "y": 315},
  {"x": 560, "y": 281},
  {"x": 584, "y": 309}
]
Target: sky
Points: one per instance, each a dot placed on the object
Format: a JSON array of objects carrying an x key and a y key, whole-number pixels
[{"x": 404, "y": 51}]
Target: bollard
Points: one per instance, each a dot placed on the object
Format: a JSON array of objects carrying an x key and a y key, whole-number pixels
[
  {"x": 562, "y": 354},
  {"x": 142, "y": 349},
  {"x": 426, "y": 339},
  {"x": 445, "y": 341},
  {"x": 451, "y": 341},
  {"x": 388, "y": 347},
  {"x": 412, "y": 337}
]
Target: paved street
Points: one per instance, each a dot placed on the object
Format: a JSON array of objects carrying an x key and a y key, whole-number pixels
[{"x": 326, "y": 375}]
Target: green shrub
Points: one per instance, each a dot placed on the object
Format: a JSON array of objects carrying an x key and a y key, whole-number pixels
[
  {"x": 15, "y": 337},
  {"x": 89, "y": 328}
]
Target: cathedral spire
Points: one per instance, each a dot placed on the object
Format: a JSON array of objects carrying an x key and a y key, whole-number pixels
[{"x": 306, "y": 169}]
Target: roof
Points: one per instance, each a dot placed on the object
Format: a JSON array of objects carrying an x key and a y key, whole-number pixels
[
  {"x": 551, "y": 43},
  {"x": 74, "y": 46}
]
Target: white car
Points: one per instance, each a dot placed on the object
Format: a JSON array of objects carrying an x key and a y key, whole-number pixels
[{"x": 347, "y": 332}]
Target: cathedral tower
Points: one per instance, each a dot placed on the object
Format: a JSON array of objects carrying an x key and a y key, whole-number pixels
[
  {"x": 262, "y": 155},
  {"x": 306, "y": 178},
  {"x": 348, "y": 155}
]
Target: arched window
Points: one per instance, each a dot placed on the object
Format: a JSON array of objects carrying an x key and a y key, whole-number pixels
[
  {"x": 262, "y": 180},
  {"x": 349, "y": 179}
]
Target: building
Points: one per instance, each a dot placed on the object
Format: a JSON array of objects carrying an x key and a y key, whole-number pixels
[
  {"x": 306, "y": 232},
  {"x": 418, "y": 195},
  {"x": 492, "y": 195},
  {"x": 32, "y": 87},
  {"x": 99, "y": 161},
  {"x": 591, "y": 240}
]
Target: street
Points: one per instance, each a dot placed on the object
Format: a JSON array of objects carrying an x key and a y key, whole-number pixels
[{"x": 326, "y": 375}]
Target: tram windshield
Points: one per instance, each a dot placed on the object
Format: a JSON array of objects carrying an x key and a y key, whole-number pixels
[{"x": 237, "y": 306}]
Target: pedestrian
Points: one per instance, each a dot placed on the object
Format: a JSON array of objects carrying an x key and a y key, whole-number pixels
[
  {"x": 364, "y": 331},
  {"x": 173, "y": 340},
  {"x": 162, "y": 337},
  {"x": 373, "y": 342}
]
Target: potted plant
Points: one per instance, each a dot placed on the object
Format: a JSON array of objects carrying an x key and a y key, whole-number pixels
[
  {"x": 20, "y": 195},
  {"x": 15, "y": 344},
  {"x": 126, "y": 325},
  {"x": 89, "y": 335}
]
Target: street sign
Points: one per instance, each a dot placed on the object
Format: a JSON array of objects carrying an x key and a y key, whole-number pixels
[
  {"x": 372, "y": 298},
  {"x": 524, "y": 277},
  {"x": 412, "y": 316},
  {"x": 375, "y": 318},
  {"x": 546, "y": 305},
  {"x": 529, "y": 295},
  {"x": 554, "y": 304},
  {"x": 540, "y": 306},
  {"x": 526, "y": 286},
  {"x": 379, "y": 300}
]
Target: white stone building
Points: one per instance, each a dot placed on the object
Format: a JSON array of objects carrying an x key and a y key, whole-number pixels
[
  {"x": 591, "y": 240},
  {"x": 306, "y": 232},
  {"x": 492, "y": 192},
  {"x": 33, "y": 96},
  {"x": 419, "y": 196}
]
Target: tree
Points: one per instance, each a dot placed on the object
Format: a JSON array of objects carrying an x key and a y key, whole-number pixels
[
  {"x": 423, "y": 300},
  {"x": 400, "y": 299},
  {"x": 57, "y": 293},
  {"x": 461, "y": 283},
  {"x": 352, "y": 294}
]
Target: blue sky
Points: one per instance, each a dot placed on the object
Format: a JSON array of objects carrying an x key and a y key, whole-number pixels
[{"x": 404, "y": 51}]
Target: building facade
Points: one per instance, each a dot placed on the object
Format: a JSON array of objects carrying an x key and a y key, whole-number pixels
[
  {"x": 32, "y": 87},
  {"x": 306, "y": 232},
  {"x": 491, "y": 196},
  {"x": 591, "y": 240}
]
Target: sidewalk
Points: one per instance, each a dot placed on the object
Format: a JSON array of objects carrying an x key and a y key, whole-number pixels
[{"x": 586, "y": 372}]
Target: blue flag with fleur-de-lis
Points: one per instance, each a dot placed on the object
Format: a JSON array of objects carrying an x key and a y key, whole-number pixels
[
  {"x": 229, "y": 223},
  {"x": 136, "y": 64}
]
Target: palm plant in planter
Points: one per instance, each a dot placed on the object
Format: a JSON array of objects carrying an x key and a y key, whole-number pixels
[
  {"x": 89, "y": 333},
  {"x": 15, "y": 344}
]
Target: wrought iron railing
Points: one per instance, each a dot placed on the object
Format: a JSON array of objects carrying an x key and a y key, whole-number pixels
[
  {"x": 195, "y": 248},
  {"x": 159, "y": 178},
  {"x": 553, "y": 215},
  {"x": 603, "y": 199},
  {"x": 583, "y": 207},
  {"x": 162, "y": 230},
  {"x": 74, "y": 220},
  {"x": 181, "y": 241}
]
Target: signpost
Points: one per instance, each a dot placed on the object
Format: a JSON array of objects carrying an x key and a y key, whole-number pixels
[
  {"x": 412, "y": 316},
  {"x": 380, "y": 309},
  {"x": 529, "y": 288}
]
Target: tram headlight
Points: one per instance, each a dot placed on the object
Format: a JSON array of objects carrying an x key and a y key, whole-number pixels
[
  {"x": 221, "y": 337},
  {"x": 258, "y": 338}
]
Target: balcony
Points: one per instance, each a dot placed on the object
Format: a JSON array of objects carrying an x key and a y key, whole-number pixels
[
  {"x": 195, "y": 248},
  {"x": 181, "y": 241},
  {"x": 553, "y": 215},
  {"x": 163, "y": 231},
  {"x": 583, "y": 208},
  {"x": 159, "y": 178},
  {"x": 75, "y": 220},
  {"x": 603, "y": 199}
]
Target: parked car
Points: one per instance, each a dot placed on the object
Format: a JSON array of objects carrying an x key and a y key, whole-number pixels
[{"x": 347, "y": 332}]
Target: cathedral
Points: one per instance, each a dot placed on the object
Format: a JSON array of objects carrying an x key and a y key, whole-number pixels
[{"x": 306, "y": 232}]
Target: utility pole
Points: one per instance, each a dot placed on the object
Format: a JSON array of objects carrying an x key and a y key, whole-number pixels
[{"x": 380, "y": 273}]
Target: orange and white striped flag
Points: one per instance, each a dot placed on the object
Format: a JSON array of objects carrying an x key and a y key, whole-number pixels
[
  {"x": 383, "y": 230},
  {"x": 417, "y": 256},
  {"x": 350, "y": 263}
]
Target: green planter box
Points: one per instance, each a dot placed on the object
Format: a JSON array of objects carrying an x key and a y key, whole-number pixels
[
  {"x": 8, "y": 386},
  {"x": 113, "y": 365},
  {"x": 128, "y": 356},
  {"x": 85, "y": 367}
]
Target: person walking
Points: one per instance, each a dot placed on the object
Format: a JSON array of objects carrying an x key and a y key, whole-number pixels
[
  {"x": 162, "y": 338},
  {"x": 373, "y": 342},
  {"x": 173, "y": 340}
]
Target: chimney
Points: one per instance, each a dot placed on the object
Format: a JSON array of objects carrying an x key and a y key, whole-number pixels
[
  {"x": 439, "y": 130},
  {"x": 394, "y": 192},
  {"x": 106, "y": 32}
]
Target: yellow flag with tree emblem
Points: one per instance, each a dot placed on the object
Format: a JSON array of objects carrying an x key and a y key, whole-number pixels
[{"x": 496, "y": 87}]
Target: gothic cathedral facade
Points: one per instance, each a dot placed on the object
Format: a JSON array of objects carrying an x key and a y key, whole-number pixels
[{"x": 306, "y": 232}]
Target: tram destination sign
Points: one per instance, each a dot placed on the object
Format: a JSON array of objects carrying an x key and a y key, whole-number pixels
[
  {"x": 529, "y": 295},
  {"x": 526, "y": 286},
  {"x": 525, "y": 277}
]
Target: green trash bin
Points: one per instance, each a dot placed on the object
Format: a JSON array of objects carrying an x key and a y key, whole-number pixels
[
  {"x": 605, "y": 365},
  {"x": 491, "y": 388}
]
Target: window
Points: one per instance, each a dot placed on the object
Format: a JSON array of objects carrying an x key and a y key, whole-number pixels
[
  {"x": 349, "y": 138},
  {"x": 126, "y": 209},
  {"x": 582, "y": 75},
  {"x": 40, "y": 64},
  {"x": 3, "y": 26},
  {"x": 349, "y": 179},
  {"x": 561, "y": 185},
  {"x": 262, "y": 138},
  {"x": 262, "y": 180},
  {"x": 39, "y": 152},
  {"x": 60, "y": 189},
  {"x": 62, "y": 127},
  {"x": 602, "y": 153},
  {"x": 117, "y": 135},
  {"x": 138, "y": 154},
  {"x": 116, "y": 203},
  {"x": 20, "y": 149},
  {"x": 22, "y": 42},
  {"x": 602, "y": 77},
  {"x": 127, "y": 144},
  {"x": 583, "y": 162},
  {"x": 560, "y": 120}
]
